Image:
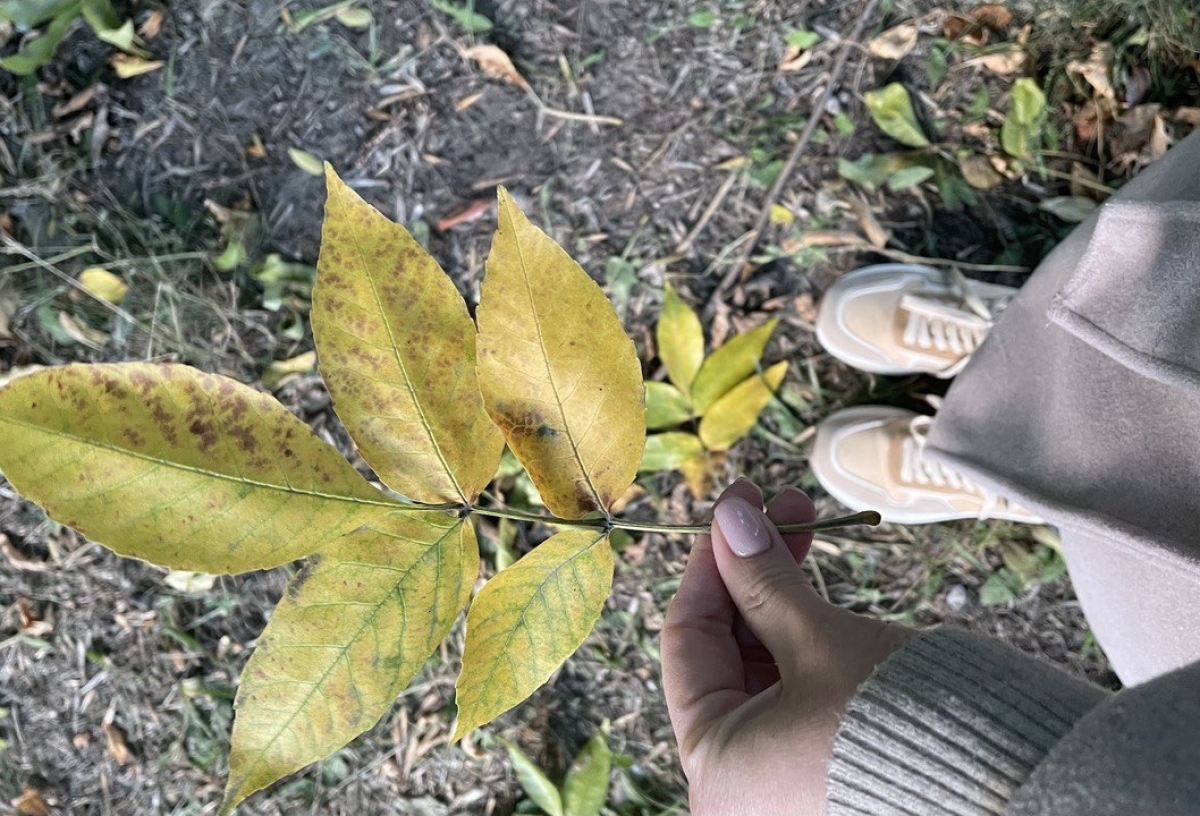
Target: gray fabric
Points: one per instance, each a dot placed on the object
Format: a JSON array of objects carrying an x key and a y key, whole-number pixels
[
  {"x": 1136, "y": 755},
  {"x": 1093, "y": 421},
  {"x": 951, "y": 725}
]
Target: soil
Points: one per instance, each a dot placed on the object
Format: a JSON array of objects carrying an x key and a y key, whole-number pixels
[{"x": 121, "y": 701}]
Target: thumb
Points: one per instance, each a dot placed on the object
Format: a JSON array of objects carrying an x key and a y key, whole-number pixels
[{"x": 766, "y": 584}]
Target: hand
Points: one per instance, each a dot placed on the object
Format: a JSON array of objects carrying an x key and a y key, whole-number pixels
[{"x": 757, "y": 668}]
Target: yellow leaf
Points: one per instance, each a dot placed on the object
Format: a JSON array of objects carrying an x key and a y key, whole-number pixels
[
  {"x": 103, "y": 284},
  {"x": 128, "y": 66},
  {"x": 729, "y": 365},
  {"x": 700, "y": 471},
  {"x": 527, "y": 620},
  {"x": 354, "y": 626},
  {"x": 666, "y": 406},
  {"x": 733, "y": 415},
  {"x": 680, "y": 340},
  {"x": 668, "y": 451},
  {"x": 397, "y": 350},
  {"x": 177, "y": 467},
  {"x": 558, "y": 374}
]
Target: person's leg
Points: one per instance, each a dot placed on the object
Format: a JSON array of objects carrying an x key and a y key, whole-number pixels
[{"x": 1144, "y": 609}]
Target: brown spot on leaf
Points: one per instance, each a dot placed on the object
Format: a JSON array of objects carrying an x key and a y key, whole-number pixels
[{"x": 583, "y": 495}]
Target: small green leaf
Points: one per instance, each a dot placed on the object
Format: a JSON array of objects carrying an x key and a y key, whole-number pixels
[
  {"x": 536, "y": 785},
  {"x": 892, "y": 109},
  {"x": 997, "y": 589},
  {"x": 1023, "y": 123},
  {"x": 703, "y": 19},
  {"x": 586, "y": 788},
  {"x": 356, "y": 18},
  {"x": 729, "y": 365},
  {"x": 465, "y": 16},
  {"x": 909, "y": 177},
  {"x": 733, "y": 415},
  {"x": 529, "y": 619},
  {"x": 32, "y": 13},
  {"x": 306, "y": 161},
  {"x": 36, "y": 53},
  {"x": 666, "y": 406},
  {"x": 232, "y": 257},
  {"x": 668, "y": 451},
  {"x": 870, "y": 170},
  {"x": 803, "y": 39},
  {"x": 680, "y": 339},
  {"x": 1071, "y": 209}
]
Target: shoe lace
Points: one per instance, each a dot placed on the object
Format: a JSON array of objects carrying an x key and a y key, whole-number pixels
[
  {"x": 917, "y": 470},
  {"x": 943, "y": 325}
]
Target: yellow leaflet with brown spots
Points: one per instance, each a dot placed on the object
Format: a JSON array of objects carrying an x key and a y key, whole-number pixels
[
  {"x": 354, "y": 626},
  {"x": 397, "y": 350},
  {"x": 527, "y": 620},
  {"x": 177, "y": 467},
  {"x": 558, "y": 374}
]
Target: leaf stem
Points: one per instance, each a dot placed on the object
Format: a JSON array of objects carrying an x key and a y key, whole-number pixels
[{"x": 868, "y": 517}]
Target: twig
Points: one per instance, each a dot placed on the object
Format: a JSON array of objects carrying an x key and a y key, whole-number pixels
[
  {"x": 764, "y": 215},
  {"x": 686, "y": 244},
  {"x": 571, "y": 115}
]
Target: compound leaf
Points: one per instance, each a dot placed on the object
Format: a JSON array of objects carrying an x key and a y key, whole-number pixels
[
  {"x": 35, "y": 53},
  {"x": 397, "y": 350},
  {"x": 668, "y": 451},
  {"x": 680, "y": 340},
  {"x": 355, "y": 624},
  {"x": 177, "y": 467},
  {"x": 586, "y": 787},
  {"x": 892, "y": 109},
  {"x": 732, "y": 416},
  {"x": 558, "y": 373},
  {"x": 534, "y": 782},
  {"x": 527, "y": 620},
  {"x": 729, "y": 365},
  {"x": 666, "y": 406}
]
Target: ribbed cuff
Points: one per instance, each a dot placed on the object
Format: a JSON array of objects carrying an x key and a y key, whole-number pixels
[{"x": 950, "y": 725}]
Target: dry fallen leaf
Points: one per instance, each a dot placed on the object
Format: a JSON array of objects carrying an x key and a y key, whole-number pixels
[
  {"x": 472, "y": 212},
  {"x": 115, "y": 737},
  {"x": 75, "y": 104},
  {"x": 256, "y": 150},
  {"x": 17, "y": 560},
  {"x": 895, "y": 43},
  {"x": 467, "y": 101},
  {"x": 1095, "y": 70},
  {"x": 978, "y": 172},
  {"x": 1005, "y": 63},
  {"x": 876, "y": 234},
  {"x": 81, "y": 333},
  {"x": 956, "y": 27},
  {"x": 128, "y": 66},
  {"x": 1188, "y": 116},
  {"x": 993, "y": 15},
  {"x": 192, "y": 583},
  {"x": 152, "y": 25},
  {"x": 795, "y": 58},
  {"x": 31, "y": 803},
  {"x": 496, "y": 64}
]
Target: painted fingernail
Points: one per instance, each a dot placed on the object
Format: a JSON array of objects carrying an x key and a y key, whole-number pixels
[{"x": 743, "y": 527}]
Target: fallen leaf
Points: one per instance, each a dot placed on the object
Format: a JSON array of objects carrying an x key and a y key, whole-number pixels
[
  {"x": 467, "y": 101},
  {"x": 152, "y": 24},
  {"x": 1137, "y": 85},
  {"x": 993, "y": 15},
  {"x": 895, "y": 43},
  {"x": 31, "y": 803},
  {"x": 356, "y": 18},
  {"x": 957, "y": 28},
  {"x": 1004, "y": 63},
  {"x": 1188, "y": 116},
  {"x": 1094, "y": 70},
  {"x": 75, "y": 104},
  {"x": 32, "y": 624},
  {"x": 868, "y": 223},
  {"x": 281, "y": 371},
  {"x": 82, "y": 333},
  {"x": 115, "y": 737},
  {"x": 979, "y": 173},
  {"x": 892, "y": 109},
  {"x": 795, "y": 58},
  {"x": 472, "y": 212},
  {"x": 192, "y": 583},
  {"x": 496, "y": 64},
  {"x": 1071, "y": 209},
  {"x": 102, "y": 284},
  {"x": 128, "y": 66},
  {"x": 306, "y": 161},
  {"x": 256, "y": 150},
  {"x": 17, "y": 559}
]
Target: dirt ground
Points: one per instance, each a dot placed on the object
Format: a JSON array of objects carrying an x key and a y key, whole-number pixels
[{"x": 116, "y": 688}]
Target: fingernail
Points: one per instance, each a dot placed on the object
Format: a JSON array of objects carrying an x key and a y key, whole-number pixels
[{"x": 744, "y": 527}]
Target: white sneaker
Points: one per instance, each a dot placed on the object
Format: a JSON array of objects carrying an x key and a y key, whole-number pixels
[
  {"x": 870, "y": 458},
  {"x": 908, "y": 319}
]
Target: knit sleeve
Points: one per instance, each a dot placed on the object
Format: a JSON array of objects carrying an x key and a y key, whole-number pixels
[{"x": 950, "y": 725}]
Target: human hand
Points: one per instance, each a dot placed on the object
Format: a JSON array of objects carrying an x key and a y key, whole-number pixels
[{"x": 757, "y": 667}]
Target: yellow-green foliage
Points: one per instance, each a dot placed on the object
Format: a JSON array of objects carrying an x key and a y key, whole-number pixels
[{"x": 51, "y": 19}]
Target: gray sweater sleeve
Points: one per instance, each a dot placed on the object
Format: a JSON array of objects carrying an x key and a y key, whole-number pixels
[{"x": 951, "y": 725}]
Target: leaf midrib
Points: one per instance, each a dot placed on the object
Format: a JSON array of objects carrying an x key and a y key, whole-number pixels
[
  {"x": 215, "y": 475},
  {"x": 387, "y": 324}
]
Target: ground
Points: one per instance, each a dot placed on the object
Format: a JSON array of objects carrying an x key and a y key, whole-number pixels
[{"x": 647, "y": 144}]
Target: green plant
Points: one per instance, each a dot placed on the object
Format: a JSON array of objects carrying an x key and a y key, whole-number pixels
[
  {"x": 198, "y": 472},
  {"x": 54, "y": 18},
  {"x": 721, "y": 395},
  {"x": 584, "y": 789}
]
